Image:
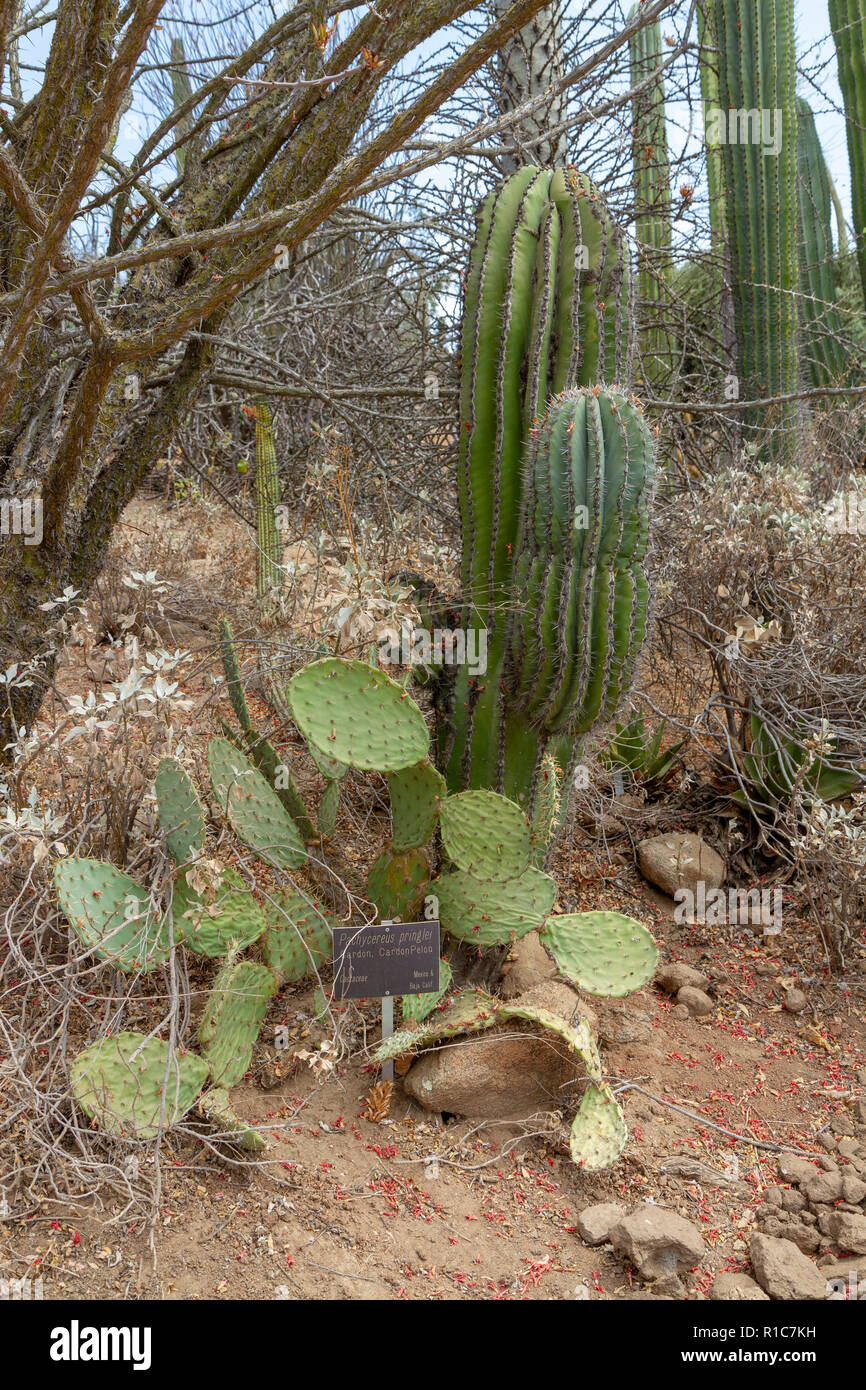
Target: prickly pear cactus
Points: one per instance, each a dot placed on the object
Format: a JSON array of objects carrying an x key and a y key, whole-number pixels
[
  {"x": 235, "y": 1009},
  {"x": 132, "y": 1085},
  {"x": 180, "y": 814},
  {"x": 213, "y": 917},
  {"x": 397, "y": 884},
  {"x": 417, "y": 794},
  {"x": 604, "y": 953},
  {"x": 349, "y": 711},
  {"x": 300, "y": 934},
  {"x": 485, "y": 834},
  {"x": 491, "y": 913},
  {"x": 599, "y": 1132},
  {"x": 112, "y": 914},
  {"x": 253, "y": 808},
  {"x": 216, "y": 1106}
]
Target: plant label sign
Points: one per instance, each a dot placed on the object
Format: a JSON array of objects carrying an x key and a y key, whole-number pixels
[{"x": 385, "y": 959}]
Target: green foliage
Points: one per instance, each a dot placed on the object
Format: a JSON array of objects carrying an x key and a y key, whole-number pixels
[
  {"x": 235, "y": 1009},
  {"x": 212, "y": 919},
  {"x": 299, "y": 935},
  {"x": 848, "y": 23},
  {"x": 776, "y": 767},
  {"x": 397, "y": 884},
  {"x": 416, "y": 797},
  {"x": 545, "y": 810},
  {"x": 823, "y": 350},
  {"x": 599, "y": 1132},
  {"x": 254, "y": 810},
  {"x": 652, "y": 196},
  {"x": 485, "y": 834},
  {"x": 181, "y": 817},
  {"x": 642, "y": 757},
  {"x": 132, "y": 1085},
  {"x": 490, "y": 913}
]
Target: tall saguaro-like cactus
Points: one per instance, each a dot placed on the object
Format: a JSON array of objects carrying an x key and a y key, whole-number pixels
[
  {"x": 758, "y": 120},
  {"x": 822, "y": 351},
  {"x": 529, "y": 64},
  {"x": 652, "y": 195},
  {"x": 546, "y": 311},
  {"x": 848, "y": 22}
]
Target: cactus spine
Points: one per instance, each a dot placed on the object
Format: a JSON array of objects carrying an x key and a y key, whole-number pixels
[
  {"x": 757, "y": 79},
  {"x": 652, "y": 178},
  {"x": 546, "y": 308},
  {"x": 848, "y": 22},
  {"x": 821, "y": 327}
]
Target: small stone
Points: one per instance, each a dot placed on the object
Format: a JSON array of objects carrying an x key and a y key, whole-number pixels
[
  {"x": 658, "y": 1242},
  {"x": 775, "y": 1197},
  {"x": 848, "y": 1231},
  {"x": 697, "y": 1003},
  {"x": 794, "y": 1168},
  {"x": 669, "y": 1286},
  {"x": 795, "y": 1001},
  {"x": 792, "y": 1200},
  {"x": 783, "y": 1271},
  {"x": 737, "y": 1288},
  {"x": 827, "y": 1142},
  {"x": 680, "y": 861},
  {"x": 594, "y": 1224},
  {"x": 801, "y": 1234},
  {"x": 853, "y": 1189},
  {"x": 621, "y": 1025},
  {"x": 823, "y": 1187},
  {"x": 528, "y": 965},
  {"x": 827, "y": 1163},
  {"x": 674, "y": 976},
  {"x": 680, "y": 1011}
]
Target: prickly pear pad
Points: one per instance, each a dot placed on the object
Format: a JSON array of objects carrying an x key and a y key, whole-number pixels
[
  {"x": 121, "y": 1082},
  {"x": 253, "y": 808},
  {"x": 485, "y": 834},
  {"x": 180, "y": 815},
  {"x": 599, "y": 1133},
  {"x": 358, "y": 715},
  {"x": 492, "y": 913},
  {"x": 602, "y": 952},
  {"x": 212, "y": 920},
  {"x": 417, "y": 794},
  {"x": 112, "y": 914},
  {"x": 233, "y": 1018}
]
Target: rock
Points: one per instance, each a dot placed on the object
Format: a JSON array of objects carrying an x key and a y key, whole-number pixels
[
  {"x": 528, "y": 965},
  {"x": 737, "y": 1288},
  {"x": 792, "y": 1200},
  {"x": 827, "y": 1142},
  {"x": 828, "y": 1164},
  {"x": 823, "y": 1187},
  {"x": 680, "y": 1011},
  {"x": 594, "y": 1224},
  {"x": 680, "y": 861},
  {"x": 795, "y": 1001},
  {"x": 669, "y": 1286},
  {"x": 804, "y": 1236},
  {"x": 674, "y": 976},
  {"x": 621, "y": 1025},
  {"x": 783, "y": 1271},
  {"x": 697, "y": 1003},
  {"x": 859, "y": 1110},
  {"x": 658, "y": 1242},
  {"x": 853, "y": 1189},
  {"x": 775, "y": 1196},
  {"x": 556, "y": 996},
  {"x": 507, "y": 1074},
  {"x": 848, "y": 1232},
  {"x": 793, "y": 1168}
]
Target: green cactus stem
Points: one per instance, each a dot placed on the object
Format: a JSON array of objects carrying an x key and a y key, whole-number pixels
[{"x": 848, "y": 22}]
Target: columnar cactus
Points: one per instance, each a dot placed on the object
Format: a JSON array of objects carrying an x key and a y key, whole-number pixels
[
  {"x": 823, "y": 353},
  {"x": 546, "y": 308},
  {"x": 757, "y": 90},
  {"x": 269, "y": 575},
  {"x": 848, "y": 22},
  {"x": 652, "y": 196}
]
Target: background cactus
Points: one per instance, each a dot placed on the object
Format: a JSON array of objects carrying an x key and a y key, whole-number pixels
[
  {"x": 757, "y": 74},
  {"x": 823, "y": 353},
  {"x": 181, "y": 817},
  {"x": 652, "y": 197},
  {"x": 299, "y": 935},
  {"x": 211, "y": 920},
  {"x": 269, "y": 575},
  {"x": 848, "y": 22}
]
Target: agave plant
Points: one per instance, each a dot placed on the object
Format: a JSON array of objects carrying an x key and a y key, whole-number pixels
[
  {"x": 632, "y": 751},
  {"x": 775, "y": 768}
]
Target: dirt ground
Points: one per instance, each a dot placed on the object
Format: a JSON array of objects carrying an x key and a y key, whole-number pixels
[{"x": 420, "y": 1207}]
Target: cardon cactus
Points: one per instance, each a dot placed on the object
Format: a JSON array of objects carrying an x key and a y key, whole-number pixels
[
  {"x": 652, "y": 196},
  {"x": 823, "y": 353},
  {"x": 546, "y": 308},
  {"x": 235, "y": 1009},
  {"x": 357, "y": 715},
  {"x": 132, "y": 1085},
  {"x": 757, "y": 91},
  {"x": 181, "y": 817},
  {"x": 575, "y": 642},
  {"x": 254, "y": 810},
  {"x": 112, "y": 914},
  {"x": 269, "y": 575},
  {"x": 848, "y": 22}
]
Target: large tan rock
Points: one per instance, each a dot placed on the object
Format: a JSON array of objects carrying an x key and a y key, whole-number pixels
[
  {"x": 680, "y": 861},
  {"x": 658, "y": 1242},
  {"x": 528, "y": 964},
  {"x": 510, "y": 1073},
  {"x": 783, "y": 1271}
]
